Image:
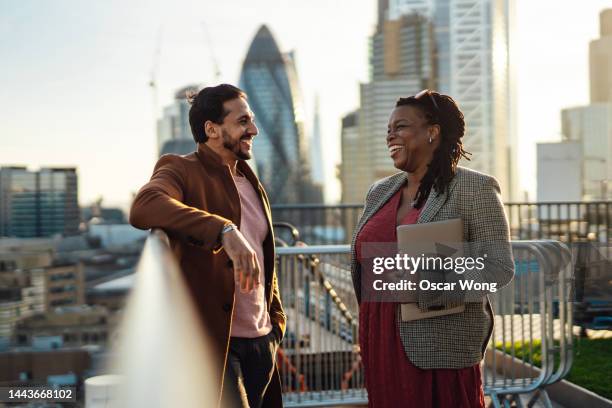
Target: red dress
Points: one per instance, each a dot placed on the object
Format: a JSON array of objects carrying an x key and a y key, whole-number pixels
[{"x": 392, "y": 380}]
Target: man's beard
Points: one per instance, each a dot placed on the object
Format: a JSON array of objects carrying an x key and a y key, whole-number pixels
[{"x": 234, "y": 145}]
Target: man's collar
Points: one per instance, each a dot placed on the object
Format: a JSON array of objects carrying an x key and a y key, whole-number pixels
[{"x": 208, "y": 155}]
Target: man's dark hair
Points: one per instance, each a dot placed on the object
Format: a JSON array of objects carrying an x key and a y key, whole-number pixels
[
  {"x": 208, "y": 105},
  {"x": 440, "y": 110}
]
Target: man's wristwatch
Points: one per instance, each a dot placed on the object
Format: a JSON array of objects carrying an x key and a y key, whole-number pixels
[{"x": 226, "y": 229}]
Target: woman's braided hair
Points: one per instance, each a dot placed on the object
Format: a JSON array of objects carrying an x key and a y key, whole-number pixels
[{"x": 443, "y": 165}]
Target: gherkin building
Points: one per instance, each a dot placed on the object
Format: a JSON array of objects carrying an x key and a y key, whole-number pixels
[{"x": 281, "y": 151}]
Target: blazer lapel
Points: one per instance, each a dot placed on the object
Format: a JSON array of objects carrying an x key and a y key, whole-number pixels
[
  {"x": 434, "y": 202},
  {"x": 384, "y": 192},
  {"x": 432, "y": 206}
]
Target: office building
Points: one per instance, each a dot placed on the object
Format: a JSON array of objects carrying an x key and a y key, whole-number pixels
[
  {"x": 600, "y": 61},
  {"x": 49, "y": 366},
  {"x": 471, "y": 40},
  {"x": 559, "y": 172},
  {"x": 64, "y": 285},
  {"x": 591, "y": 126},
  {"x": 316, "y": 150},
  {"x": 281, "y": 150},
  {"x": 17, "y": 303},
  {"x": 402, "y": 62},
  {"x": 396, "y": 8},
  {"x": 38, "y": 203},
  {"x": 173, "y": 131},
  {"x": 21, "y": 294},
  {"x": 32, "y": 283},
  {"x": 355, "y": 168},
  {"x": 75, "y": 325}
]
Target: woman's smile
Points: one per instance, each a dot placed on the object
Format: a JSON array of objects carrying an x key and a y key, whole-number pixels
[{"x": 393, "y": 149}]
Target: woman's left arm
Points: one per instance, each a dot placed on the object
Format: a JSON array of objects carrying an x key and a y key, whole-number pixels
[
  {"x": 490, "y": 237},
  {"x": 488, "y": 242}
]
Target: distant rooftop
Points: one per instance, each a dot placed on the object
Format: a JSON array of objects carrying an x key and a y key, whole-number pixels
[
  {"x": 124, "y": 283},
  {"x": 43, "y": 168}
]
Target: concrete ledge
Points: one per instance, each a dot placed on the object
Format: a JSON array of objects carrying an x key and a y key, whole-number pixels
[
  {"x": 572, "y": 395},
  {"x": 564, "y": 392}
]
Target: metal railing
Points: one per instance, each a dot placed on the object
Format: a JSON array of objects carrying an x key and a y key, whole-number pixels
[
  {"x": 321, "y": 338},
  {"x": 320, "y": 343},
  {"x": 532, "y": 343},
  {"x": 322, "y": 366},
  {"x": 162, "y": 356},
  {"x": 566, "y": 222},
  {"x": 320, "y": 224}
]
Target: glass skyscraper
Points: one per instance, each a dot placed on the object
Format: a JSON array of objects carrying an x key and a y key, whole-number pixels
[
  {"x": 472, "y": 40},
  {"x": 38, "y": 204},
  {"x": 281, "y": 152},
  {"x": 402, "y": 62}
]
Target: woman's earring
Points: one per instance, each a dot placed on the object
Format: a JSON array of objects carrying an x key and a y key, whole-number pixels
[{"x": 430, "y": 140}]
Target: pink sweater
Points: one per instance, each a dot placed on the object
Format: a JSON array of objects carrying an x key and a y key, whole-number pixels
[{"x": 250, "y": 318}]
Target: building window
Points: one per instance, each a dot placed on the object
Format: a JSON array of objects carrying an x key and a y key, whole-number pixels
[{"x": 60, "y": 302}]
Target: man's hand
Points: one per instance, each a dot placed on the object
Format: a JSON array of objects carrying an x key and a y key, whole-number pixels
[{"x": 244, "y": 258}]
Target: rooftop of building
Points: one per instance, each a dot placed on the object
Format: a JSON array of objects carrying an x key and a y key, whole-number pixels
[
  {"x": 121, "y": 284},
  {"x": 264, "y": 47}
]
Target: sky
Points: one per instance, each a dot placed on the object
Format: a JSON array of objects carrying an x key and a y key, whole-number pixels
[{"x": 75, "y": 74}]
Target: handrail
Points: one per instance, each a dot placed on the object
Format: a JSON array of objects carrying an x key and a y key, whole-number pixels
[
  {"x": 295, "y": 233},
  {"x": 552, "y": 278},
  {"x": 360, "y": 205},
  {"x": 163, "y": 355},
  {"x": 313, "y": 250},
  {"x": 564, "y": 221}
]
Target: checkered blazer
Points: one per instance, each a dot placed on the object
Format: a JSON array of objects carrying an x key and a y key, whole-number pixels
[{"x": 456, "y": 340}]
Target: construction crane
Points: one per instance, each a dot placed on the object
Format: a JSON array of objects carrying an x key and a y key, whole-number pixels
[
  {"x": 153, "y": 80},
  {"x": 155, "y": 67},
  {"x": 217, "y": 71}
]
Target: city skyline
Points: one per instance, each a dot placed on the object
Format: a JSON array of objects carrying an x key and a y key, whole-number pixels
[
  {"x": 55, "y": 114},
  {"x": 459, "y": 48}
]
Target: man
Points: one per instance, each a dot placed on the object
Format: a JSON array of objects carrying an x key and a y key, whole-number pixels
[{"x": 217, "y": 216}]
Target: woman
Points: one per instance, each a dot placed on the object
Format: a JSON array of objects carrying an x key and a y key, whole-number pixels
[{"x": 432, "y": 362}]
